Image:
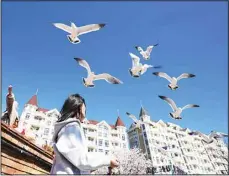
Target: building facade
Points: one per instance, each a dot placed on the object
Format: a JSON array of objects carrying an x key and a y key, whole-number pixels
[
  {"x": 184, "y": 151},
  {"x": 38, "y": 122},
  {"x": 102, "y": 137}
]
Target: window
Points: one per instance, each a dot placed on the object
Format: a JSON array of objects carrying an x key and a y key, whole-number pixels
[
  {"x": 104, "y": 134},
  {"x": 100, "y": 127},
  {"x": 123, "y": 137},
  {"x": 100, "y": 133},
  {"x": 46, "y": 132},
  {"x": 105, "y": 128},
  {"x": 143, "y": 126},
  {"x": 49, "y": 123},
  {"x": 176, "y": 154},
  {"x": 124, "y": 145},
  {"x": 90, "y": 150},
  {"x": 100, "y": 142},
  {"x": 106, "y": 152},
  {"x": 100, "y": 150},
  {"x": 33, "y": 127},
  {"x": 173, "y": 146},
  {"x": 27, "y": 116},
  {"x": 107, "y": 143}
]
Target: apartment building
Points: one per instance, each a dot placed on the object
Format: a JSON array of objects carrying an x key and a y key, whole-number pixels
[
  {"x": 104, "y": 137},
  {"x": 38, "y": 122},
  {"x": 184, "y": 151}
]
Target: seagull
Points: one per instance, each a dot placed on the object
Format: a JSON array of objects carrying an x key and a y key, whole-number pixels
[
  {"x": 216, "y": 135},
  {"x": 88, "y": 82},
  {"x": 139, "y": 122},
  {"x": 137, "y": 67},
  {"x": 146, "y": 54},
  {"x": 206, "y": 139},
  {"x": 173, "y": 81},
  {"x": 176, "y": 111},
  {"x": 77, "y": 31}
]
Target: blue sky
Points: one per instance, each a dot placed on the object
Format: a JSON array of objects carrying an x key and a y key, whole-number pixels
[{"x": 192, "y": 38}]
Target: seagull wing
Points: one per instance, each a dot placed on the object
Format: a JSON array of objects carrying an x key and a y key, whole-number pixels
[
  {"x": 84, "y": 64},
  {"x": 139, "y": 48},
  {"x": 135, "y": 60},
  {"x": 132, "y": 117},
  {"x": 108, "y": 78},
  {"x": 206, "y": 139},
  {"x": 151, "y": 123},
  {"x": 185, "y": 75},
  {"x": 63, "y": 27},
  {"x": 169, "y": 101},
  {"x": 149, "y": 49},
  {"x": 190, "y": 106},
  {"x": 223, "y": 134},
  {"x": 89, "y": 28},
  {"x": 163, "y": 75}
]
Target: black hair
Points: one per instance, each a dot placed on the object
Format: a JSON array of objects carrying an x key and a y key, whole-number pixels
[{"x": 72, "y": 107}]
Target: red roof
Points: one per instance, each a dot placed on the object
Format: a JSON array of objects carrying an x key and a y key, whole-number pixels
[
  {"x": 119, "y": 122},
  {"x": 94, "y": 122},
  {"x": 42, "y": 110},
  {"x": 112, "y": 126},
  {"x": 33, "y": 100}
]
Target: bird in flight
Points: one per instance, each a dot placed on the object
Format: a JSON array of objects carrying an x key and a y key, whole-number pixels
[
  {"x": 206, "y": 139},
  {"x": 176, "y": 114},
  {"x": 91, "y": 76},
  {"x": 139, "y": 122},
  {"x": 137, "y": 67},
  {"x": 75, "y": 31},
  {"x": 173, "y": 81},
  {"x": 146, "y": 54}
]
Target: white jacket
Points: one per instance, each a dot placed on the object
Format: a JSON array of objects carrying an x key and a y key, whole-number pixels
[{"x": 71, "y": 153}]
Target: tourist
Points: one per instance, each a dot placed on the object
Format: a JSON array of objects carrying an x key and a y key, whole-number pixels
[{"x": 71, "y": 153}]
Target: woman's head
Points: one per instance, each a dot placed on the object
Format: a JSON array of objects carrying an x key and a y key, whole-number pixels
[{"x": 74, "y": 107}]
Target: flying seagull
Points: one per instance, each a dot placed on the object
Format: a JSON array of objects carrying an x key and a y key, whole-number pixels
[
  {"x": 216, "y": 135},
  {"x": 77, "y": 31},
  {"x": 176, "y": 114},
  {"x": 91, "y": 76},
  {"x": 173, "y": 81},
  {"x": 139, "y": 122},
  {"x": 146, "y": 54},
  {"x": 206, "y": 139},
  {"x": 138, "y": 68}
]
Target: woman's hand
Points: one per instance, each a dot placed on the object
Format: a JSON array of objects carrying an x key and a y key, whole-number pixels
[{"x": 114, "y": 163}]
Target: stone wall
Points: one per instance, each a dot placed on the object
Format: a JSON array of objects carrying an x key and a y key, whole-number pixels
[{"x": 21, "y": 156}]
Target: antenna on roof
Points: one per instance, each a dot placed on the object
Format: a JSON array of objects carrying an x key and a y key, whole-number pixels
[{"x": 36, "y": 91}]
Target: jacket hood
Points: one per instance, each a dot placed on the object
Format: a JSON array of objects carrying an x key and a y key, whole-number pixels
[{"x": 59, "y": 125}]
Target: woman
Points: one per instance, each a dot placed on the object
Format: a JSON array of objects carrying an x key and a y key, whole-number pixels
[{"x": 71, "y": 156}]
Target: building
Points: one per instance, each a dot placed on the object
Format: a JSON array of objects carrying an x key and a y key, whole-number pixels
[
  {"x": 38, "y": 122},
  {"x": 103, "y": 137},
  {"x": 184, "y": 151}
]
